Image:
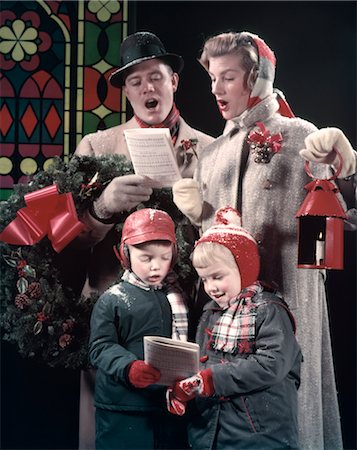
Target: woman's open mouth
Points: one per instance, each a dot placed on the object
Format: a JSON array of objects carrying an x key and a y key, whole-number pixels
[{"x": 222, "y": 105}]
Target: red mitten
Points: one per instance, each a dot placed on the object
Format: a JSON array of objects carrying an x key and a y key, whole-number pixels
[
  {"x": 174, "y": 406},
  {"x": 142, "y": 375},
  {"x": 200, "y": 384}
]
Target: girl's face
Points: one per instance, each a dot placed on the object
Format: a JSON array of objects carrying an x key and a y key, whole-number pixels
[
  {"x": 151, "y": 262},
  {"x": 227, "y": 85},
  {"x": 222, "y": 284}
]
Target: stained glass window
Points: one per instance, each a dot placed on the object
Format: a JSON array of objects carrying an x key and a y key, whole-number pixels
[{"x": 55, "y": 59}]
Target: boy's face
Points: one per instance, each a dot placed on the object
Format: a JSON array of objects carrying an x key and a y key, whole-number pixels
[
  {"x": 150, "y": 89},
  {"x": 151, "y": 262},
  {"x": 222, "y": 284}
]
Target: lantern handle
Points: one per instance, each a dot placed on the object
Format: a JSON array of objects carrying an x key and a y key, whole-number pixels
[{"x": 334, "y": 176}]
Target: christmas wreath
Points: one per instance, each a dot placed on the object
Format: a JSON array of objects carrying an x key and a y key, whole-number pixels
[{"x": 44, "y": 316}]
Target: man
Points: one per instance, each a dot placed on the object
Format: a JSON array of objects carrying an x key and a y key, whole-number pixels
[{"x": 149, "y": 77}]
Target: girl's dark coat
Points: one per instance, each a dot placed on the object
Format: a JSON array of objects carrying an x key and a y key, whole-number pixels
[{"x": 255, "y": 402}]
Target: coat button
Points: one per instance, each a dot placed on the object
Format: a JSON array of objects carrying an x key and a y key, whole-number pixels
[
  {"x": 259, "y": 239},
  {"x": 267, "y": 184}
]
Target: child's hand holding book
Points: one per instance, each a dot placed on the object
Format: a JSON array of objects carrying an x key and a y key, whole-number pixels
[
  {"x": 141, "y": 375},
  {"x": 200, "y": 384}
]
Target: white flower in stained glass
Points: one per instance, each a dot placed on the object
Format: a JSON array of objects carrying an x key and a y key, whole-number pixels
[
  {"x": 19, "y": 40},
  {"x": 103, "y": 9}
]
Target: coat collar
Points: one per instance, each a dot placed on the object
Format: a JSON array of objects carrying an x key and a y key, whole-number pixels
[{"x": 259, "y": 113}]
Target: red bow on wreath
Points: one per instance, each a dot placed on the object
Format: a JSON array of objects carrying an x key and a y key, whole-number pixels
[{"x": 47, "y": 213}]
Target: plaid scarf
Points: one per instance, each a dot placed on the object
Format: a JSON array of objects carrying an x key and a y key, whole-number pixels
[
  {"x": 174, "y": 296},
  {"x": 263, "y": 86},
  {"x": 234, "y": 332},
  {"x": 172, "y": 122}
]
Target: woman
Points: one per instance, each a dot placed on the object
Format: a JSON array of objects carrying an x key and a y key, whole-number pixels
[{"x": 255, "y": 167}]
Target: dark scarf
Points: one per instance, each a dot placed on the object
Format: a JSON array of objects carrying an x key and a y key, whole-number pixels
[{"x": 171, "y": 122}]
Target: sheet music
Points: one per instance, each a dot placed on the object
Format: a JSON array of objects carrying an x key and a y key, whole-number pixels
[
  {"x": 175, "y": 359},
  {"x": 152, "y": 154}
]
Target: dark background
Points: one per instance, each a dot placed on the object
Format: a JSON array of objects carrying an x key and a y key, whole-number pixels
[{"x": 315, "y": 46}]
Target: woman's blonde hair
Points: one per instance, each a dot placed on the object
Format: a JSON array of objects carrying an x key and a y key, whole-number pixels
[
  {"x": 240, "y": 44},
  {"x": 207, "y": 253}
]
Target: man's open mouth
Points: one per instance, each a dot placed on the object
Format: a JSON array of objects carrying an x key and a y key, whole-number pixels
[{"x": 150, "y": 104}]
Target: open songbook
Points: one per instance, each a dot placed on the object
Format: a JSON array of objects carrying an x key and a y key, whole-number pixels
[
  {"x": 175, "y": 359},
  {"x": 152, "y": 154}
]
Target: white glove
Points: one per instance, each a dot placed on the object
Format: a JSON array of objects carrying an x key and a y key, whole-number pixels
[
  {"x": 123, "y": 193},
  {"x": 187, "y": 197},
  {"x": 320, "y": 147}
]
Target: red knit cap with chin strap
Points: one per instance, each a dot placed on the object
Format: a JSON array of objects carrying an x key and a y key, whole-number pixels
[
  {"x": 227, "y": 231},
  {"x": 145, "y": 225}
]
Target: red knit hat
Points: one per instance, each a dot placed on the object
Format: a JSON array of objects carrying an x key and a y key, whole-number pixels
[
  {"x": 146, "y": 225},
  {"x": 228, "y": 231}
]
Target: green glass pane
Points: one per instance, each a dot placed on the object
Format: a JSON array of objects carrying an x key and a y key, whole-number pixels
[
  {"x": 115, "y": 36},
  {"x": 111, "y": 120},
  {"x": 91, "y": 53},
  {"x": 5, "y": 194},
  {"x": 90, "y": 122}
]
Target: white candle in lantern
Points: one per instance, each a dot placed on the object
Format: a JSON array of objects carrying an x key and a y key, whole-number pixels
[{"x": 320, "y": 250}]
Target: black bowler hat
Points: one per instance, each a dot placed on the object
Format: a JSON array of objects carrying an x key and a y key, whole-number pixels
[{"x": 139, "y": 47}]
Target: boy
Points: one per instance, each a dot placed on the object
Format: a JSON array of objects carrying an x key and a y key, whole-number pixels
[
  {"x": 246, "y": 391},
  {"x": 129, "y": 412}
]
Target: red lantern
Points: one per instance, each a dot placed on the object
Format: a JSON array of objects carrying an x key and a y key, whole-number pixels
[{"x": 321, "y": 226}]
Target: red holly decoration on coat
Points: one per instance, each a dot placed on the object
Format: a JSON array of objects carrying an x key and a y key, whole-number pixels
[
  {"x": 188, "y": 144},
  {"x": 263, "y": 144}
]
